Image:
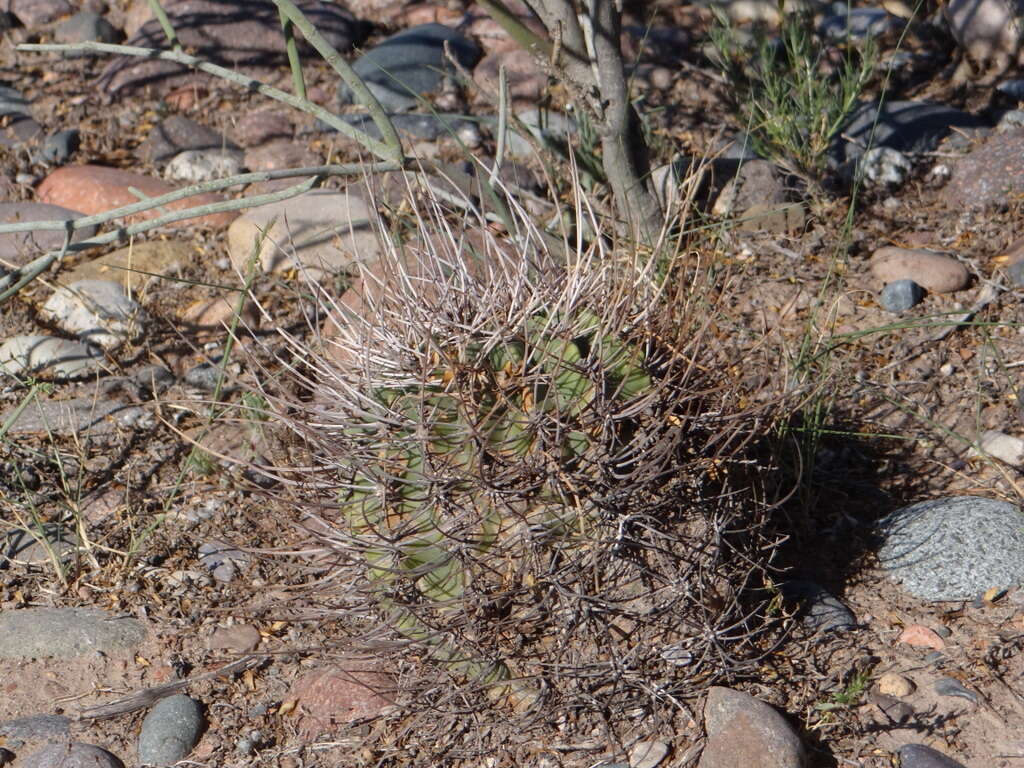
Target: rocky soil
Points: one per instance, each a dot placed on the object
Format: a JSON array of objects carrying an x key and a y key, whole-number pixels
[{"x": 159, "y": 600}]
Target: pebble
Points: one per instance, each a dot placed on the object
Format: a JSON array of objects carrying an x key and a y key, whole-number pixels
[
  {"x": 757, "y": 182},
  {"x": 409, "y": 64},
  {"x": 892, "y": 684},
  {"x": 256, "y": 128},
  {"x": 935, "y": 272},
  {"x": 18, "y": 248},
  {"x": 900, "y": 295},
  {"x": 525, "y": 80},
  {"x": 58, "y": 148},
  {"x": 170, "y": 730},
  {"x": 989, "y": 176},
  {"x": 35, "y": 633},
  {"x": 86, "y": 26},
  {"x": 152, "y": 380},
  {"x": 823, "y": 612},
  {"x": 35, "y": 727},
  {"x": 858, "y": 23},
  {"x": 204, "y": 376},
  {"x": 1010, "y": 121},
  {"x": 21, "y": 126},
  {"x": 242, "y": 35},
  {"x": 1000, "y": 446},
  {"x": 330, "y": 696},
  {"x": 97, "y": 311},
  {"x": 907, "y": 126},
  {"x": 96, "y": 189},
  {"x": 1015, "y": 272},
  {"x": 427, "y": 127},
  {"x": 222, "y": 559},
  {"x": 953, "y": 548},
  {"x": 744, "y": 731},
  {"x": 647, "y": 754},
  {"x": 884, "y": 167},
  {"x": 211, "y": 319},
  {"x": 48, "y": 357},
  {"x": 920, "y": 756},
  {"x": 238, "y": 638},
  {"x": 197, "y": 165},
  {"x": 176, "y": 134},
  {"x": 23, "y": 548},
  {"x": 73, "y": 754},
  {"x": 950, "y": 686},
  {"x": 323, "y": 231},
  {"x": 987, "y": 31}
]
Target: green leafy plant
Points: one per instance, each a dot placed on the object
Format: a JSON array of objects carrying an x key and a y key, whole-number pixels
[{"x": 787, "y": 95}]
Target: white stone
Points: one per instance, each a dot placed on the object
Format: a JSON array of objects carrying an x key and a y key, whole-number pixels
[
  {"x": 96, "y": 311},
  {"x": 197, "y": 165},
  {"x": 59, "y": 358},
  {"x": 647, "y": 754},
  {"x": 1000, "y": 446},
  {"x": 884, "y": 167},
  {"x": 323, "y": 231}
]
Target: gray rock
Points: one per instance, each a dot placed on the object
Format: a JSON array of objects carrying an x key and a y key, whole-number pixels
[
  {"x": 177, "y": 134},
  {"x": 991, "y": 175},
  {"x": 222, "y": 559},
  {"x": 647, "y": 754},
  {"x": 203, "y": 376},
  {"x": 86, "y": 26},
  {"x": 411, "y": 64},
  {"x": 49, "y": 357},
  {"x": 953, "y": 548},
  {"x": 988, "y": 30},
  {"x": 21, "y": 126},
  {"x": 950, "y": 686},
  {"x": 428, "y": 127},
  {"x": 920, "y": 756},
  {"x": 76, "y": 416},
  {"x": 1010, "y": 120},
  {"x": 37, "y": 633},
  {"x": 884, "y": 167},
  {"x": 906, "y": 126},
  {"x": 823, "y": 612},
  {"x": 197, "y": 165},
  {"x": 857, "y": 23},
  {"x": 19, "y": 248},
  {"x": 170, "y": 730},
  {"x": 72, "y": 754},
  {"x": 12, "y": 103},
  {"x": 549, "y": 127},
  {"x": 23, "y": 548},
  {"x": 58, "y": 148},
  {"x": 97, "y": 311},
  {"x": 35, "y": 727},
  {"x": 1015, "y": 272},
  {"x": 152, "y": 380},
  {"x": 900, "y": 295},
  {"x": 744, "y": 731}
]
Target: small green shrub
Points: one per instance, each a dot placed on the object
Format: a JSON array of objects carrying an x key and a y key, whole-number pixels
[{"x": 785, "y": 95}]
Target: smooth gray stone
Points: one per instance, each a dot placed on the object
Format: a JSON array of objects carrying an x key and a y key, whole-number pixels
[
  {"x": 78, "y": 415},
  {"x": 48, "y": 356},
  {"x": 549, "y": 127},
  {"x": 35, "y": 727},
  {"x": 36, "y": 633},
  {"x": 823, "y": 611},
  {"x": 170, "y": 730},
  {"x": 410, "y": 64},
  {"x": 72, "y": 754},
  {"x": 953, "y": 548},
  {"x": 920, "y": 756},
  {"x": 58, "y": 148},
  {"x": 421, "y": 126},
  {"x": 12, "y": 102},
  {"x": 906, "y": 126},
  {"x": 86, "y": 26},
  {"x": 19, "y": 248},
  {"x": 950, "y": 686},
  {"x": 900, "y": 295},
  {"x": 20, "y": 546}
]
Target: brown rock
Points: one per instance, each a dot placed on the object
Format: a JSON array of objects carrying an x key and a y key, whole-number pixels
[
  {"x": 278, "y": 155},
  {"x": 332, "y": 696},
  {"x": 136, "y": 266},
  {"x": 96, "y": 189},
  {"x": 525, "y": 79},
  {"x": 176, "y": 134},
  {"x": 427, "y": 13},
  {"x": 744, "y": 731},
  {"x": 212, "y": 318},
  {"x": 935, "y": 272},
  {"x": 990, "y": 175},
  {"x": 239, "y": 638},
  {"x": 892, "y": 684},
  {"x": 256, "y": 128}
]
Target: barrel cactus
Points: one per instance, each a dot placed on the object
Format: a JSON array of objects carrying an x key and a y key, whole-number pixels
[{"x": 539, "y": 466}]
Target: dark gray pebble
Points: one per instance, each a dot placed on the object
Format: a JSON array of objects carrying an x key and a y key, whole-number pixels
[
  {"x": 823, "y": 612},
  {"x": 204, "y": 376},
  {"x": 71, "y": 754},
  {"x": 170, "y": 730},
  {"x": 58, "y": 148},
  {"x": 920, "y": 756},
  {"x": 950, "y": 686},
  {"x": 86, "y": 26},
  {"x": 21, "y": 729},
  {"x": 900, "y": 295}
]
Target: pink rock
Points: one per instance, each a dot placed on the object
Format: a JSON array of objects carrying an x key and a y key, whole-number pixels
[
  {"x": 255, "y": 128},
  {"x": 332, "y": 696},
  {"x": 935, "y": 272},
  {"x": 240, "y": 638},
  {"x": 278, "y": 155},
  {"x": 94, "y": 189},
  {"x": 33, "y": 13},
  {"x": 744, "y": 731},
  {"x": 525, "y": 79},
  {"x": 920, "y": 636}
]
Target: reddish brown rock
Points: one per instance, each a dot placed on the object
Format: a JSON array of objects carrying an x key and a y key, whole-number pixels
[
  {"x": 935, "y": 272},
  {"x": 989, "y": 176},
  {"x": 95, "y": 189},
  {"x": 332, "y": 696},
  {"x": 744, "y": 731},
  {"x": 525, "y": 79},
  {"x": 256, "y": 128}
]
